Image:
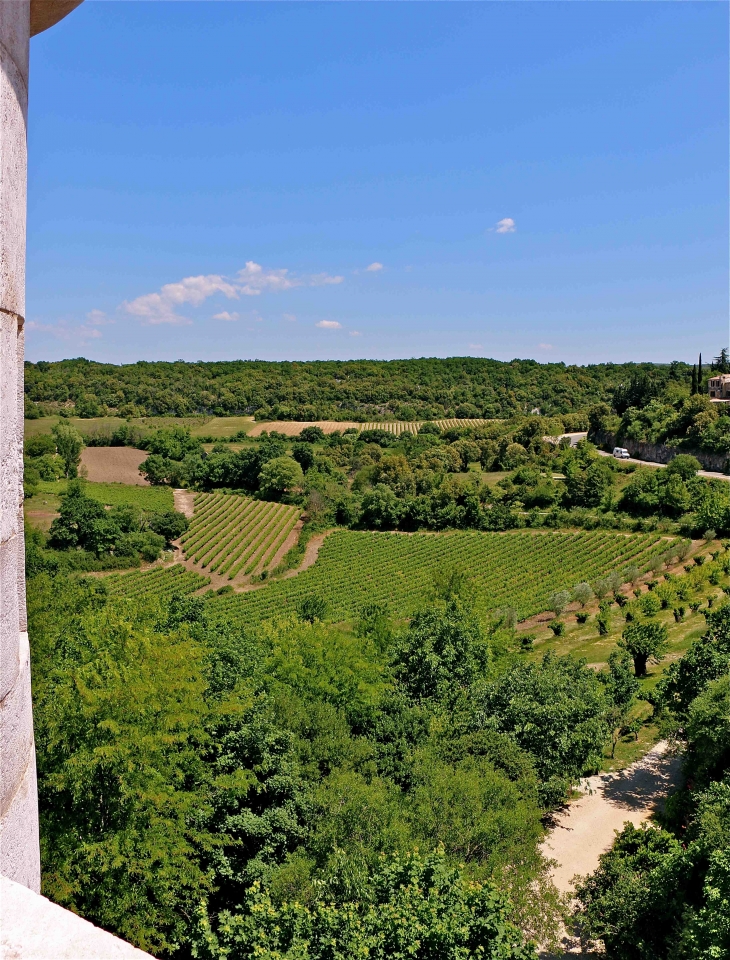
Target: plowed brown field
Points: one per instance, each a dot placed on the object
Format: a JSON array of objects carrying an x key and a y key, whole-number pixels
[{"x": 114, "y": 465}]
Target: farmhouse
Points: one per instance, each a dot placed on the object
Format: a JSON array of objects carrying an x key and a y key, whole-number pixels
[{"x": 719, "y": 388}]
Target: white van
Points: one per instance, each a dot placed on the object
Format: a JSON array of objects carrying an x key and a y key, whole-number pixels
[{"x": 621, "y": 453}]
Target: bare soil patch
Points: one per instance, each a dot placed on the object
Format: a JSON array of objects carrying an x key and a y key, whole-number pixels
[
  {"x": 114, "y": 465},
  {"x": 184, "y": 502}
]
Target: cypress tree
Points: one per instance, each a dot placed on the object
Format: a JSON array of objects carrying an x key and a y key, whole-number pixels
[
  {"x": 699, "y": 375},
  {"x": 693, "y": 388}
]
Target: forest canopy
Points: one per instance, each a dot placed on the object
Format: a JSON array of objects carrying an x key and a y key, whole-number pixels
[{"x": 361, "y": 390}]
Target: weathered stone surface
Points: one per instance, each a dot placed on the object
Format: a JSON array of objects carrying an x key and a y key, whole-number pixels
[
  {"x": 33, "y": 928},
  {"x": 19, "y": 850}
]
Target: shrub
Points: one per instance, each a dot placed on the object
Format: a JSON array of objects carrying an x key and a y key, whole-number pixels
[
  {"x": 558, "y": 627},
  {"x": 582, "y": 617},
  {"x": 678, "y": 614}
]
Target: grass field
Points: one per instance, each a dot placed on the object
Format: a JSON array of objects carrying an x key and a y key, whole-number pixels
[
  {"x": 113, "y": 494},
  {"x": 237, "y": 536},
  {"x": 519, "y": 570},
  {"x": 159, "y": 582}
]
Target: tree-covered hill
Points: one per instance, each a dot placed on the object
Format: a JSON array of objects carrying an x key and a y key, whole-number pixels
[{"x": 424, "y": 389}]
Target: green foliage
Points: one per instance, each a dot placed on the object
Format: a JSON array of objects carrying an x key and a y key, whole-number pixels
[
  {"x": 119, "y": 731},
  {"x": 556, "y": 711},
  {"x": 84, "y": 524},
  {"x": 280, "y": 476},
  {"x": 69, "y": 444},
  {"x": 410, "y": 907},
  {"x": 442, "y": 654},
  {"x": 644, "y": 642}
]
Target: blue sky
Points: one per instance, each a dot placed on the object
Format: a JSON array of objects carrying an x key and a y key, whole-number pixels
[{"x": 217, "y": 180}]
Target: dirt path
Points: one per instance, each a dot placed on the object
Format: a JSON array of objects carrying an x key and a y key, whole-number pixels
[
  {"x": 311, "y": 552},
  {"x": 184, "y": 502},
  {"x": 586, "y": 828}
]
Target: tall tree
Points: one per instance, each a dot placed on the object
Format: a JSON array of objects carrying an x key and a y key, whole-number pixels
[{"x": 693, "y": 388}]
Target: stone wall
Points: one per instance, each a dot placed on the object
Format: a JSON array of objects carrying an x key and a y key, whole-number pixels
[
  {"x": 660, "y": 453},
  {"x": 19, "y": 853}
]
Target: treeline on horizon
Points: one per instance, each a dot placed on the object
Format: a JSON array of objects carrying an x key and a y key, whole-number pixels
[{"x": 358, "y": 390}]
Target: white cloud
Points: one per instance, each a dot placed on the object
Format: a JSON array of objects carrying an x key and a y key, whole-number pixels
[
  {"x": 475, "y": 346},
  {"x": 291, "y": 317},
  {"x": 545, "y": 346},
  {"x": 506, "y": 226},
  {"x": 322, "y": 280},
  {"x": 328, "y": 325},
  {"x": 98, "y": 318},
  {"x": 374, "y": 267},
  {"x": 355, "y": 333},
  {"x": 251, "y": 281},
  {"x": 225, "y": 315}
]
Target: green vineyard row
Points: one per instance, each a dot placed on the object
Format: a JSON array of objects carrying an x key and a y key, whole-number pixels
[
  {"x": 159, "y": 582},
  {"x": 236, "y": 535},
  {"x": 519, "y": 570}
]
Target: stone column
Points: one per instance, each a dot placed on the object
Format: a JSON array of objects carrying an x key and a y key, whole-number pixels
[{"x": 19, "y": 850}]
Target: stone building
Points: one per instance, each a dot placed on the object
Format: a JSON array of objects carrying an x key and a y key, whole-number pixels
[
  {"x": 718, "y": 387},
  {"x": 30, "y": 926}
]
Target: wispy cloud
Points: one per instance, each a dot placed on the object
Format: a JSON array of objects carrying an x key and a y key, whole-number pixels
[
  {"x": 355, "y": 333},
  {"x": 80, "y": 334},
  {"x": 251, "y": 281},
  {"x": 291, "y": 317},
  {"x": 225, "y": 315},
  {"x": 328, "y": 325},
  {"x": 374, "y": 267},
  {"x": 475, "y": 346},
  {"x": 545, "y": 346},
  {"x": 505, "y": 226},
  {"x": 97, "y": 318}
]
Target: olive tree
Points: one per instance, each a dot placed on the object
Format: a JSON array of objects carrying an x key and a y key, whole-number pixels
[{"x": 644, "y": 642}]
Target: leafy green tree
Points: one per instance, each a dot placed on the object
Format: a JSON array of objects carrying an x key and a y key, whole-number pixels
[
  {"x": 279, "y": 477},
  {"x": 120, "y": 730},
  {"x": 381, "y": 509},
  {"x": 39, "y": 446},
  {"x": 69, "y": 444},
  {"x": 411, "y": 906},
  {"x": 707, "y": 659},
  {"x": 684, "y": 466},
  {"x": 170, "y": 524},
  {"x": 556, "y": 710},
  {"x": 441, "y": 654},
  {"x": 312, "y": 435},
  {"x": 644, "y": 642},
  {"x": 634, "y": 900},
  {"x": 621, "y": 688},
  {"x": 304, "y": 455}
]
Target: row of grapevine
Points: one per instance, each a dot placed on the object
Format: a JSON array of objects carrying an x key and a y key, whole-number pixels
[
  {"x": 236, "y": 535},
  {"x": 519, "y": 570},
  {"x": 159, "y": 582},
  {"x": 404, "y": 426}
]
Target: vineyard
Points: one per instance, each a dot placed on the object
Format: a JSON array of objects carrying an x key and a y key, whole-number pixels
[
  {"x": 519, "y": 570},
  {"x": 232, "y": 535},
  {"x": 159, "y": 582},
  {"x": 291, "y": 428}
]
